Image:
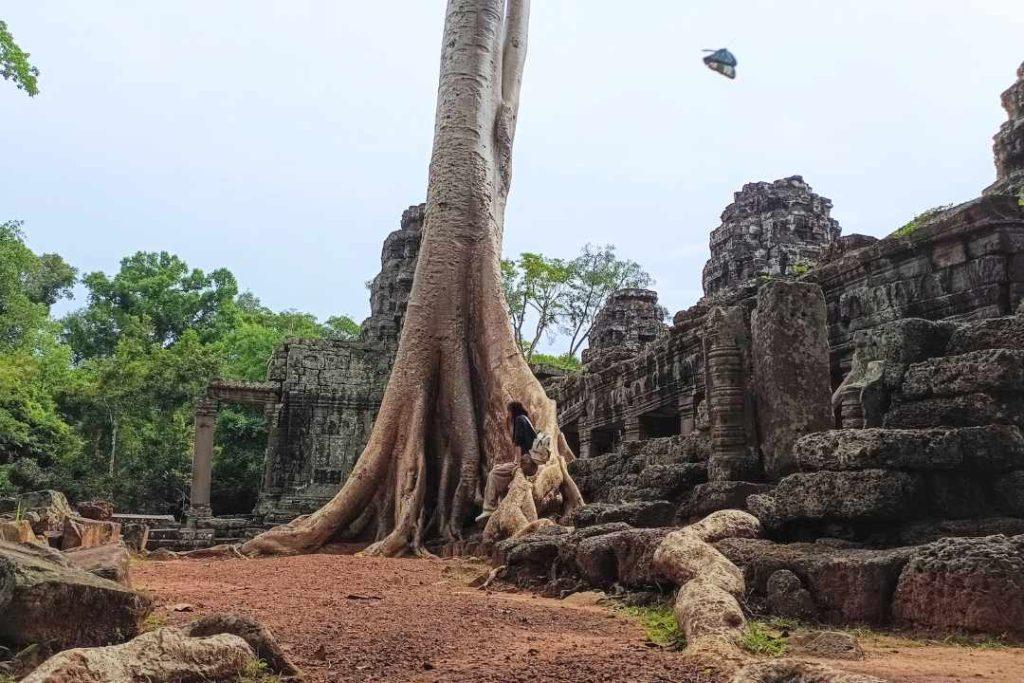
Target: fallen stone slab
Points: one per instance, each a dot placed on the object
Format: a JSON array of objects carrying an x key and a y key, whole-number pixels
[
  {"x": 623, "y": 557},
  {"x": 110, "y": 561},
  {"x": 988, "y": 371},
  {"x": 80, "y": 532},
  {"x": 975, "y": 584},
  {"x": 46, "y": 600},
  {"x": 18, "y": 531},
  {"x": 847, "y": 585}
]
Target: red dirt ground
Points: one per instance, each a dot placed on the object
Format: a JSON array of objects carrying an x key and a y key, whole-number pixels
[{"x": 346, "y": 618}]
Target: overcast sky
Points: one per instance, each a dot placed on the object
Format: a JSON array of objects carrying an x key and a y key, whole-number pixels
[{"x": 283, "y": 139}]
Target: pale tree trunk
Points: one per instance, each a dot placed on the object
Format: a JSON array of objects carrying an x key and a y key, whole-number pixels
[{"x": 442, "y": 422}]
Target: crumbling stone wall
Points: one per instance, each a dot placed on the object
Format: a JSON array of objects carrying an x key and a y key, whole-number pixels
[
  {"x": 1008, "y": 144},
  {"x": 331, "y": 390}
]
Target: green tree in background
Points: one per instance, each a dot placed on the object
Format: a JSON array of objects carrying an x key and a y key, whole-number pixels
[
  {"x": 154, "y": 296},
  {"x": 34, "y": 365},
  {"x": 564, "y": 295},
  {"x": 14, "y": 64}
]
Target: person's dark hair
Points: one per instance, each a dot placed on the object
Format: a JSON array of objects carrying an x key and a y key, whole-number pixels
[{"x": 515, "y": 409}]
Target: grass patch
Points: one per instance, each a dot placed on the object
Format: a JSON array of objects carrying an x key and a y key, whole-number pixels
[
  {"x": 153, "y": 622},
  {"x": 978, "y": 642},
  {"x": 917, "y": 221},
  {"x": 761, "y": 639},
  {"x": 659, "y": 622},
  {"x": 257, "y": 671}
]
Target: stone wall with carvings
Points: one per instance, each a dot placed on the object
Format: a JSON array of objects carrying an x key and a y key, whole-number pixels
[{"x": 330, "y": 391}]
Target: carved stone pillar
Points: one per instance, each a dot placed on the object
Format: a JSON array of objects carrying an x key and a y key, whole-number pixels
[
  {"x": 631, "y": 429},
  {"x": 585, "y": 451},
  {"x": 851, "y": 411},
  {"x": 687, "y": 418},
  {"x": 726, "y": 402},
  {"x": 202, "y": 459}
]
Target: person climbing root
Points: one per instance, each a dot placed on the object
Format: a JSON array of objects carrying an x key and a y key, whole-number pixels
[
  {"x": 536, "y": 478},
  {"x": 500, "y": 476}
]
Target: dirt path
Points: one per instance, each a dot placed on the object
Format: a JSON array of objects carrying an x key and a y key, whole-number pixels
[{"x": 345, "y": 618}]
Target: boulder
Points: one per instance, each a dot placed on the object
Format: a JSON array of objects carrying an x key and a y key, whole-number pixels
[
  {"x": 97, "y": 509},
  {"x": 712, "y": 496},
  {"x": 826, "y": 644},
  {"x": 166, "y": 655},
  {"x": 855, "y": 496},
  {"x": 787, "y": 597},
  {"x": 789, "y": 336},
  {"x": 80, "y": 532},
  {"x": 862, "y": 449},
  {"x": 46, "y": 600},
  {"x": 847, "y": 585},
  {"x": 48, "y": 510},
  {"x": 641, "y": 513},
  {"x": 110, "y": 561},
  {"x": 975, "y": 584}
]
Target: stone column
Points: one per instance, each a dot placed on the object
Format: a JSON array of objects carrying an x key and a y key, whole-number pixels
[
  {"x": 584, "y": 441},
  {"x": 631, "y": 429},
  {"x": 202, "y": 459},
  {"x": 687, "y": 418},
  {"x": 726, "y": 410}
]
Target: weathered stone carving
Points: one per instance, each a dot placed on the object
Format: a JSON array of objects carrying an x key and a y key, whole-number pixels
[
  {"x": 771, "y": 229},
  {"x": 630, "y": 320},
  {"x": 1009, "y": 143}
]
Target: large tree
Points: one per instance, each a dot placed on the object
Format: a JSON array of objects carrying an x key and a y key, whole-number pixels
[{"x": 442, "y": 421}]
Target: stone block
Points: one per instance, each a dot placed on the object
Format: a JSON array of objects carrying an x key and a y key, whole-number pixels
[
  {"x": 48, "y": 509},
  {"x": 110, "y": 561},
  {"x": 994, "y": 333},
  {"x": 790, "y": 354},
  {"x": 717, "y": 495},
  {"x": 975, "y": 584},
  {"x": 992, "y": 448},
  {"x": 18, "y": 531},
  {"x": 87, "y": 533},
  {"x": 1009, "y": 490},
  {"x": 988, "y": 371},
  {"x": 787, "y": 597},
  {"x": 858, "y": 449},
  {"x": 623, "y": 557},
  {"x": 646, "y": 513},
  {"x": 44, "y": 599},
  {"x": 847, "y": 585},
  {"x": 967, "y": 410},
  {"x": 100, "y": 510},
  {"x": 855, "y": 496}
]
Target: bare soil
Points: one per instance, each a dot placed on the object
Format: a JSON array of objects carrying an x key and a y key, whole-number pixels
[{"x": 346, "y": 618}]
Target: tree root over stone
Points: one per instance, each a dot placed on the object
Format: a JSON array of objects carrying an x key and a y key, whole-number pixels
[{"x": 708, "y": 607}]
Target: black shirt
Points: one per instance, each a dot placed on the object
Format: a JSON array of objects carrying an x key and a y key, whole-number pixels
[{"x": 523, "y": 433}]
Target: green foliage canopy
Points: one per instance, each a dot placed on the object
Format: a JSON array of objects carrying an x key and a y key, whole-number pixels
[{"x": 14, "y": 64}]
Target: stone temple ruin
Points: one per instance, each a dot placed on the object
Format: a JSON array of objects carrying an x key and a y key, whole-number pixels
[{"x": 863, "y": 398}]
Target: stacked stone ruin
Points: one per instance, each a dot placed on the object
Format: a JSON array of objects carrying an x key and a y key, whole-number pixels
[{"x": 866, "y": 407}]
